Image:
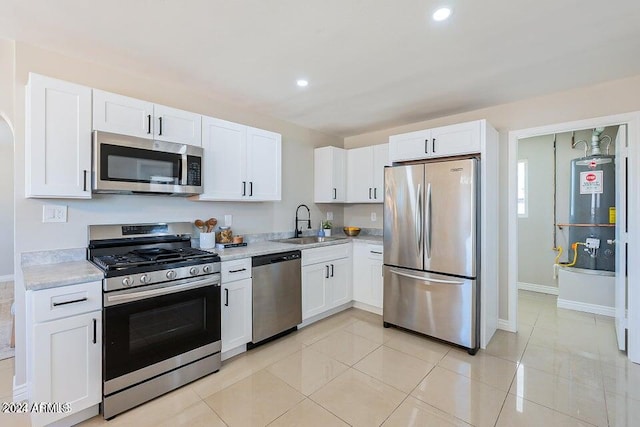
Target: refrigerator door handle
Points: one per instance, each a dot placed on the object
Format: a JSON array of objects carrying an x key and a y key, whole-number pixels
[
  {"x": 428, "y": 231},
  {"x": 418, "y": 219},
  {"x": 411, "y": 276}
]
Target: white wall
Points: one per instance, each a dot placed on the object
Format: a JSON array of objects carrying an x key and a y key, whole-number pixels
[
  {"x": 613, "y": 97},
  {"x": 31, "y": 234},
  {"x": 6, "y": 200}
]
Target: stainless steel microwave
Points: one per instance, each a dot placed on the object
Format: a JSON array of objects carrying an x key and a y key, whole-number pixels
[{"x": 129, "y": 165}]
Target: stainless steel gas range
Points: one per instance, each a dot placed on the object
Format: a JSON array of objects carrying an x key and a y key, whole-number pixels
[{"x": 161, "y": 311}]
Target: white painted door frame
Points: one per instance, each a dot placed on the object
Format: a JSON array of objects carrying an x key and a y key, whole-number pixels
[{"x": 632, "y": 120}]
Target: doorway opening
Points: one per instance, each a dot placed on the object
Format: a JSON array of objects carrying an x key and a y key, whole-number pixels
[{"x": 562, "y": 244}]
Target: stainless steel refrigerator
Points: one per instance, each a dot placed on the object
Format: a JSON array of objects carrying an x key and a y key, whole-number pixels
[{"x": 431, "y": 257}]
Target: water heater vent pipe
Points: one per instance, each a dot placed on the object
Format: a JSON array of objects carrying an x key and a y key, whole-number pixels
[{"x": 595, "y": 141}]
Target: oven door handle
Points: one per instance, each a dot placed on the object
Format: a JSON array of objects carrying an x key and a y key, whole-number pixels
[{"x": 172, "y": 289}]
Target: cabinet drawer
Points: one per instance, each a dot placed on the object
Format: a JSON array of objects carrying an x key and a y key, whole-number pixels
[
  {"x": 236, "y": 270},
  {"x": 65, "y": 301},
  {"x": 325, "y": 253},
  {"x": 374, "y": 252}
]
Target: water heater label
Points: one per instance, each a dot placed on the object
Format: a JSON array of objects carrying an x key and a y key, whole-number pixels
[{"x": 591, "y": 182}]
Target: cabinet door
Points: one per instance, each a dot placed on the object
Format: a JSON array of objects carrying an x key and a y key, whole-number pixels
[
  {"x": 224, "y": 146},
  {"x": 340, "y": 278},
  {"x": 121, "y": 114},
  {"x": 410, "y": 146},
  {"x": 58, "y": 139},
  {"x": 360, "y": 175},
  {"x": 463, "y": 138},
  {"x": 173, "y": 125},
  {"x": 329, "y": 175},
  {"x": 360, "y": 273},
  {"x": 315, "y": 291},
  {"x": 67, "y": 364},
  {"x": 380, "y": 160},
  {"x": 264, "y": 165},
  {"x": 236, "y": 314}
]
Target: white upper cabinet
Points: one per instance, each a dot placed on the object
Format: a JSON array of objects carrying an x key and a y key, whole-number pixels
[
  {"x": 58, "y": 139},
  {"x": 329, "y": 175},
  {"x": 453, "y": 140},
  {"x": 365, "y": 173},
  {"x": 409, "y": 146},
  {"x": 123, "y": 115},
  {"x": 175, "y": 125},
  {"x": 463, "y": 138},
  {"x": 240, "y": 162},
  {"x": 134, "y": 117},
  {"x": 264, "y": 168}
]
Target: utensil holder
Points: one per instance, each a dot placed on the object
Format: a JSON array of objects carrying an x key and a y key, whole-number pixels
[{"x": 207, "y": 240}]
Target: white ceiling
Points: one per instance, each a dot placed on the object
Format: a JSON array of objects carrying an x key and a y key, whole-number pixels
[{"x": 371, "y": 64}]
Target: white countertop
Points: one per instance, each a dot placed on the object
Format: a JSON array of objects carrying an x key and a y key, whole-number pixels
[{"x": 44, "y": 276}]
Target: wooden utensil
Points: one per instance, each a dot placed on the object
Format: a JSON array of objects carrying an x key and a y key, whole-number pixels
[
  {"x": 211, "y": 222},
  {"x": 199, "y": 224}
]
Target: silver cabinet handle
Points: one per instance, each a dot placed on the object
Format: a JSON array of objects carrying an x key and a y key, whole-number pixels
[
  {"x": 412, "y": 276},
  {"x": 429, "y": 231}
]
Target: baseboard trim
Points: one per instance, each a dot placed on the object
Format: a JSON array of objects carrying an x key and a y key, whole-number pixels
[
  {"x": 506, "y": 325},
  {"x": 602, "y": 310},
  {"x": 7, "y": 278},
  {"x": 20, "y": 392},
  {"x": 367, "y": 307},
  {"x": 327, "y": 313},
  {"x": 233, "y": 352},
  {"x": 543, "y": 289}
]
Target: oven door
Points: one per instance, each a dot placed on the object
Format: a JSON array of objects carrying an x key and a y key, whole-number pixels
[
  {"x": 154, "y": 330},
  {"x": 124, "y": 164}
]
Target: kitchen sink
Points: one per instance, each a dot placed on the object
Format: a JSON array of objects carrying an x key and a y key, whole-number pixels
[{"x": 308, "y": 239}]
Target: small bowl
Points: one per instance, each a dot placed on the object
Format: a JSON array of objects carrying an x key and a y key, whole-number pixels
[{"x": 351, "y": 231}]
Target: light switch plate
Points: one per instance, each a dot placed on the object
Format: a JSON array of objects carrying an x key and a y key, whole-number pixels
[
  {"x": 329, "y": 216},
  {"x": 228, "y": 220},
  {"x": 374, "y": 217},
  {"x": 54, "y": 213}
]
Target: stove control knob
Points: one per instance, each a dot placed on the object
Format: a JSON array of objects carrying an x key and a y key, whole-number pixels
[
  {"x": 171, "y": 274},
  {"x": 193, "y": 271},
  {"x": 145, "y": 279},
  {"x": 127, "y": 281},
  {"x": 206, "y": 269}
]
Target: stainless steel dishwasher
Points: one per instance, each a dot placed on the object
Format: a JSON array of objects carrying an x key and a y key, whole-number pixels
[{"x": 277, "y": 295}]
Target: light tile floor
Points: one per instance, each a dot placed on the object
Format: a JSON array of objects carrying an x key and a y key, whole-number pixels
[{"x": 561, "y": 369}]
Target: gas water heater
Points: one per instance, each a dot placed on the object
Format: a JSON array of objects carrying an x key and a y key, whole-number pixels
[{"x": 592, "y": 208}]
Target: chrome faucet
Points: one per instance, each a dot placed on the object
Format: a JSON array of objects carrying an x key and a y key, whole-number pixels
[{"x": 298, "y": 232}]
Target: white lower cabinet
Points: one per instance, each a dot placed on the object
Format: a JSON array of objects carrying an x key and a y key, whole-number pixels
[
  {"x": 326, "y": 279},
  {"x": 65, "y": 352},
  {"x": 367, "y": 274},
  {"x": 236, "y": 304}
]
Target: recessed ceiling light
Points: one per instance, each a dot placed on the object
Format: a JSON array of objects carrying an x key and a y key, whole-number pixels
[
  {"x": 302, "y": 83},
  {"x": 441, "y": 14}
]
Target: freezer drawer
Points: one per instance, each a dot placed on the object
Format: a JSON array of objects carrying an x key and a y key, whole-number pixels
[{"x": 443, "y": 307}]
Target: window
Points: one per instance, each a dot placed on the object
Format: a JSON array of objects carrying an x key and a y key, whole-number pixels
[{"x": 523, "y": 203}]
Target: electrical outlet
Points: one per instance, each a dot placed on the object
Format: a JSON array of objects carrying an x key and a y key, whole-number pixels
[
  {"x": 54, "y": 213},
  {"x": 374, "y": 217},
  {"x": 329, "y": 216},
  {"x": 228, "y": 220}
]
